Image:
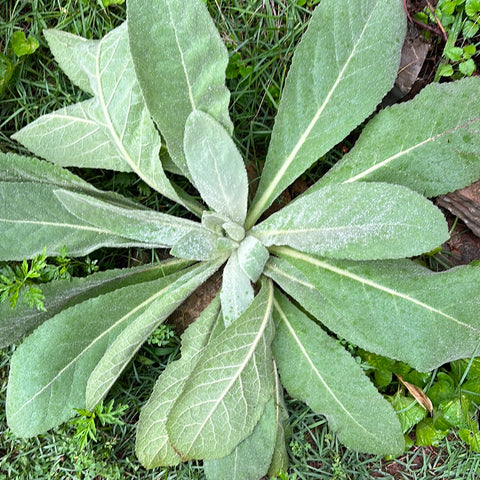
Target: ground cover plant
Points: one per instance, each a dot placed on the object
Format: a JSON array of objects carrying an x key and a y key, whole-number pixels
[{"x": 384, "y": 221}]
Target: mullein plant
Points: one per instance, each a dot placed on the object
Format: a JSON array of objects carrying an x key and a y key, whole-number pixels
[{"x": 331, "y": 265}]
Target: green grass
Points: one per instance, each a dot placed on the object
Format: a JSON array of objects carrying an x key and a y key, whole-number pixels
[{"x": 260, "y": 36}]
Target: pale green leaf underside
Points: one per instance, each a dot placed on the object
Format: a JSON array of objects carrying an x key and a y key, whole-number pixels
[
  {"x": 122, "y": 350},
  {"x": 31, "y": 212},
  {"x": 145, "y": 226},
  {"x": 252, "y": 457},
  {"x": 430, "y": 144},
  {"x": 224, "y": 396},
  {"x": 113, "y": 130},
  {"x": 152, "y": 445},
  {"x": 61, "y": 294},
  {"x": 358, "y": 221},
  {"x": 398, "y": 309},
  {"x": 344, "y": 65},
  {"x": 180, "y": 62},
  {"x": 237, "y": 291},
  {"x": 50, "y": 369},
  {"x": 75, "y": 55},
  {"x": 216, "y": 166},
  {"x": 316, "y": 369}
]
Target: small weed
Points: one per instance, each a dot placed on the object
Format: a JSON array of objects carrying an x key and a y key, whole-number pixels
[
  {"x": 23, "y": 280},
  {"x": 86, "y": 423},
  {"x": 460, "y": 19}
]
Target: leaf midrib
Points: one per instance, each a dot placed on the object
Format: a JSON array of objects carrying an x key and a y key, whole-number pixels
[
  {"x": 285, "y": 251},
  {"x": 305, "y": 354},
  {"x": 248, "y": 357},
  {"x": 265, "y": 197},
  {"x": 333, "y": 230},
  {"x": 145, "y": 303}
]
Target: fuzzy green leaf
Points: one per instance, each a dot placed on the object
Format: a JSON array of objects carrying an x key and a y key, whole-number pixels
[
  {"x": 330, "y": 88},
  {"x": 145, "y": 226},
  {"x": 197, "y": 244},
  {"x": 252, "y": 256},
  {"x": 224, "y": 397},
  {"x": 432, "y": 153},
  {"x": 180, "y": 62},
  {"x": 50, "y": 369},
  {"x": 251, "y": 458},
  {"x": 313, "y": 368},
  {"x": 124, "y": 347},
  {"x": 61, "y": 294},
  {"x": 32, "y": 212},
  {"x": 358, "y": 221},
  {"x": 152, "y": 446},
  {"x": 397, "y": 309},
  {"x": 280, "y": 456},
  {"x": 114, "y": 129},
  {"x": 19, "y": 168},
  {"x": 237, "y": 291},
  {"x": 216, "y": 166}
]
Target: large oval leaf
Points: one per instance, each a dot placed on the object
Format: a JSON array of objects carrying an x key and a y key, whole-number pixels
[
  {"x": 112, "y": 130},
  {"x": 145, "y": 226},
  {"x": 344, "y": 65},
  {"x": 316, "y": 369},
  {"x": 50, "y": 369},
  {"x": 398, "y": 309},
  {"x": 180, "y": 62},
  {"x": 224, "y": 397},
  {"x": 432, "y": 154},
  {"x": 216, "y": 166},
  {"x": 358, "y": 221}
]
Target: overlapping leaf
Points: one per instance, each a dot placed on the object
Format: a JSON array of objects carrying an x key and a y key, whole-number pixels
[
  {"x": 357, "y": 221},
  {"x": 330, "y": 88},
  {"x": 32, "y": 212},
  {"x": 314, "y": 368},
  {"x": 252, "y": 457},
  {"x": 180, "y": 62},
  {"x": 124, "y": 347},
  {"x": 433, "y": 153},
  {"x": 152, "y": 445},
  {"x": 113, "y": 130},
  {"x": 61, "y": 294},
  {"x": 145, "y": 226},
  {"x": 398, "y": 309},
  {"x": 68, "y": 348},
  {"x": 216, "y": 166},
  {"x": 224, "y": 397}
]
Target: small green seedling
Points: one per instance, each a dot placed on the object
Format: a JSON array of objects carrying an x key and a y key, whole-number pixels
[{"x": 328, "y": 269}]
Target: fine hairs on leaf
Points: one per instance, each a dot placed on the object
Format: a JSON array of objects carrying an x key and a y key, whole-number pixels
[{"x": 333, "y": 264}]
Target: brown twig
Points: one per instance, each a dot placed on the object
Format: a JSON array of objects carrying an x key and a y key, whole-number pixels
[
  {"x": 439, "y": 23},
  {"x": 437, "y": 31}
]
